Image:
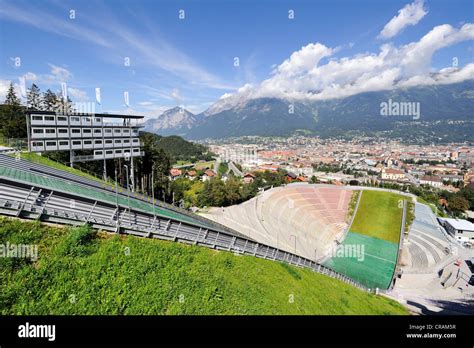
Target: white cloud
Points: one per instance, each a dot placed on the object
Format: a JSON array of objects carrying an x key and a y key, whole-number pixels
[
  {"x": 303, "y": 77},
  {"x": 411, "y": 14},
  {"x": 29, "y": 76},
  {"x": 4, "y": 85},
  {"x": 303, "y": 60},
  {"x": 117, "y": 39},
  {"x": 175, "y": 94},
  {"x": 444, "y": 76},
  {"x": 42, "y": 20},
  {"x": 77, "y": 95},
  {"x": 59, "y": 74},
  {"x": 417, "y": 55},
  {"x": 145, "y": 103}
]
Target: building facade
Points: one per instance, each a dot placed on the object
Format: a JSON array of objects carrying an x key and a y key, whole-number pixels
[
  {"x": 103, "y": 136},
  {"x": 462, "y": 230}
]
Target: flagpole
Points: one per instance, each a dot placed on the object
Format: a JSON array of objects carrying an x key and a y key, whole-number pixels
[{"x": 99, "y": 102}]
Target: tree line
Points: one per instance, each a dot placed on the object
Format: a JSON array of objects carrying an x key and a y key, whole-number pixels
[
  {"x": 12, "y": 112},
  {"x": 222, "y": 193}
]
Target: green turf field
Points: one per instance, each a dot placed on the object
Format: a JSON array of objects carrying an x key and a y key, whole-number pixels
[
  {"x": 375, "y": 231},
  {"x": 379, "y": 215},
  {"x": 373, "y": 267}
]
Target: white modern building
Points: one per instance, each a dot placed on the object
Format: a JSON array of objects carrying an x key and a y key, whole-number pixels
[
  {"x": 98, "y": 136},
  {"x": 460, "y": 229},
  {"x": 431, "y": 180}
]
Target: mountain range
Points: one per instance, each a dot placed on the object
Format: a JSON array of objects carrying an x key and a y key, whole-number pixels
[
  {"x": 174, "y": 121},
  {"x": 450, "y": 105}
]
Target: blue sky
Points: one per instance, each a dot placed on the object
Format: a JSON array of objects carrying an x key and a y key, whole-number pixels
[{"x": 190, "y": 61}]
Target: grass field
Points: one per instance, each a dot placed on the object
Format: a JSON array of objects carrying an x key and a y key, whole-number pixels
[
  {"x": 203, "y": 165},
  {"x": 379, "y": 215},
  {"x": 81, "y": 272},
  {"x": 181, "y": 163}
]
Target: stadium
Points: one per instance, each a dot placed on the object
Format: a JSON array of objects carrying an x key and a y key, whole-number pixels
[{"x": 316, "y": 220}]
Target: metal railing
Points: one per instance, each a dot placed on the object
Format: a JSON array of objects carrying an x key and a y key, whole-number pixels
[{"x": 109, "y": 187}]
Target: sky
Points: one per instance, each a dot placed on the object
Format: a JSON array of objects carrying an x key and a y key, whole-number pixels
[{"x": 194, "y": 53}]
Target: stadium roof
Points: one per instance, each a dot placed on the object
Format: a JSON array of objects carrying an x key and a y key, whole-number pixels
[
  {"x": 105, "y": 115},
  {"x": 462, "y": 225}
]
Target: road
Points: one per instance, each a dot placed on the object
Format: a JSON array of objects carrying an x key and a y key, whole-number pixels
[{"x": 236, "y": 170}]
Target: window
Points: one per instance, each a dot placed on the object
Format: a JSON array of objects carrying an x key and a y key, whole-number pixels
[
  {"x": 86, "y": 131},
  {"x": 86, "y": 119},
  {"x": 136, "y": 150},
  {"x": 75, "y": 119},
  {"x": 87, "y": 142},
  {"x": 50, "y": 143},
  {"x": 108, "y": 131},
  {"x": 37, "y": 118},
  {"x": 64, "y": 143},
  {"x": 97, "y": 131},
  {"x": 75, "y": 131},
  {"x": 126, "y": 131},
  {"x": 109, "y": 152},
  {"x": 118, "y": 151},
  {"x": 116, "y": 130},
  {"x": 126, "y": 141},
  {"x": 118, "y": 141},
  {"x": 37, "y": 143},
  {"x": 62, "y": 118},
  {"x": 97, "y": 119},
  {"x": 135, "y": 141},
  {"x": 62, "y": 130},
  {"x": 49, "y": 118},
  {"x": 76, "y": 142},
  {"x": 50, "y": 131},
  {"x": 108, "y": 141},
  {"x": 38, "y": 131},
  {"x": 98, "y": 153},
  {"x": 98, "y": 142}
]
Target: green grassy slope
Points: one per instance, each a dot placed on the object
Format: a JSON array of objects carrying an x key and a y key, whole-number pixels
[
  {"x": 33, "y": 157},
  {"x": 79, "y": 272},
  {"x": 373, "y": 267},
  {"x": 379, "y": 215},
  {"x": 376, "y": 229}
]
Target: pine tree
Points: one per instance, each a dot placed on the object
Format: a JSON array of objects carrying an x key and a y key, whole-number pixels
[
  {"x": 11, "y": 98},
  {"x": 50, "y": 101},
  {"x": 34, "y": 98},
  {"x": 12, "y": 116},
  {"x": 63, "y": 106}
]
